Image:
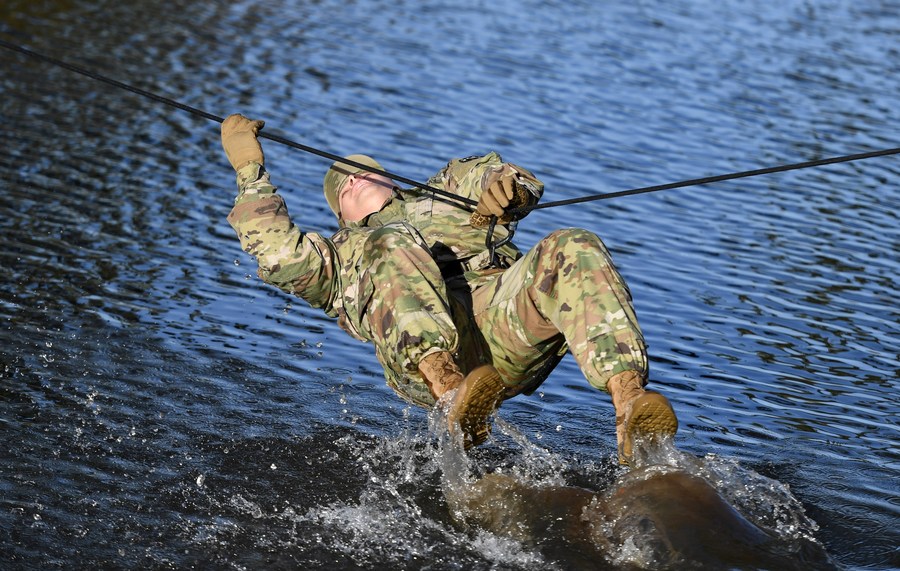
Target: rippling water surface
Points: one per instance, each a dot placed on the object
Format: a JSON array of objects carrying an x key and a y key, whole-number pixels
[{"x": 161, "y": 408}]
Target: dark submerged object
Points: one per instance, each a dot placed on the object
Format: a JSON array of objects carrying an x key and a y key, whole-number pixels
[{"x": 649, "y": 519}]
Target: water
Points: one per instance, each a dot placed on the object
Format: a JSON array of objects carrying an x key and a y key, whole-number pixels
[{"x": 163, "y": 409}]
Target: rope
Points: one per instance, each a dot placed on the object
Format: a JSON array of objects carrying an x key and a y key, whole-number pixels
[
  {"x": 712, "y": 179},
  {"x": 461, "y": 199},
  {"x": 216, "y": 118}
]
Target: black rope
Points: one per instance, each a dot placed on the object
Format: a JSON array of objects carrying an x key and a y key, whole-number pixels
[
  {"x": 461, "y": 199},
  {"x": 712, "y": 179},
  {"x": 210, "y": 116}
]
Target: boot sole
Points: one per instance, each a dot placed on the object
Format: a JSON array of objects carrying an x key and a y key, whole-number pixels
[
  {"x": 479, "y": 396},
  {"x": 651, "y": 417}
]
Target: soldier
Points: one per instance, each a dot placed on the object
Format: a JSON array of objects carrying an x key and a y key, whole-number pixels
[{"x": 410, "y": 271}]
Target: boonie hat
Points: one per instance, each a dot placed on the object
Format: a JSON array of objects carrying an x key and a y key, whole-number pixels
[{"x": 338, "y": 174}]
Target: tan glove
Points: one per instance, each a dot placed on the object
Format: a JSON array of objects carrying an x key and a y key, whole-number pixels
[
  {"x": 240, "y": 142},
  {"x": 503, "y": 194}
]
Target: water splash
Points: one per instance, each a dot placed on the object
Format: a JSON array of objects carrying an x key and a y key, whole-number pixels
[
  {"x": 766, "y": 502},
  {"x": 670, "y": 510},
  {"x": 399, "y": 517},
  {"x": 417, "y": 498}
]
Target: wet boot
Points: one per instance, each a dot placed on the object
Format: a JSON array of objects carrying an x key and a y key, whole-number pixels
[
  {"x": 440, "y": 372},
  {"x": 478, "y": 397},
  {"x": 639, "y": 413}
]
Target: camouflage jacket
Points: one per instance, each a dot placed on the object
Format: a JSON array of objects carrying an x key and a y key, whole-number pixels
[{"x": 324, "y": 271}]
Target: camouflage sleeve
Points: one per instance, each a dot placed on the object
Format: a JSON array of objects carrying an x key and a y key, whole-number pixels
[
  {"x": 468, "y": 177},
  {"x": 301, "y": 263}
]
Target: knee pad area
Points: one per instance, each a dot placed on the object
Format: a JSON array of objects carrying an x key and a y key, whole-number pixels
[
  {"x": 572, "y": 242},
  {"x": 578, "y": 238}
]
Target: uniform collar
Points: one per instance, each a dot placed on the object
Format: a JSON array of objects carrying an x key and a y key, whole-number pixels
[{"x": 389, "y": 212}]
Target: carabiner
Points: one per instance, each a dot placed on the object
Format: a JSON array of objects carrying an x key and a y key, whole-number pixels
[{"x": 492, "y": 246}]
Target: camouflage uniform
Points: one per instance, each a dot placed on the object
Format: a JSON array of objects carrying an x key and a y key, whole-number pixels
[{"x": 416, "y": 278}]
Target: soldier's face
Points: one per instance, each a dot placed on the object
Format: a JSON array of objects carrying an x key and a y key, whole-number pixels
[{"x": 363, "y": 194}]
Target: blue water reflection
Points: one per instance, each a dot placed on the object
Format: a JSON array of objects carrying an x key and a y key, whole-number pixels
[{"x": 162, "y": 408}]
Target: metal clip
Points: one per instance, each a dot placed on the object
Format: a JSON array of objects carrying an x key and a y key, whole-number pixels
[{"x": 492, "y": 246}]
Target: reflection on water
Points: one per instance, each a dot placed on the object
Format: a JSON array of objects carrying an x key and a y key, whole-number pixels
[{"x": 162, "y": 409}]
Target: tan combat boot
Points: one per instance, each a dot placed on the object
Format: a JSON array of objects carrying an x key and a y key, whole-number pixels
[
  {"x": 479, "y": 395},
  {"x": 440, "y": 372},
  {"x": 638, "y": 413}
]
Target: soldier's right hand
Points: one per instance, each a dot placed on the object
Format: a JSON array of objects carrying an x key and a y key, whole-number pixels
[
  {"x": 240, "y": 142},
  {"x": 502, "y": 195}
]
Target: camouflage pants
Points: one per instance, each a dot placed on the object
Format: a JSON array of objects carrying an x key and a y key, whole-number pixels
[{"x": 565, "y": 292}]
